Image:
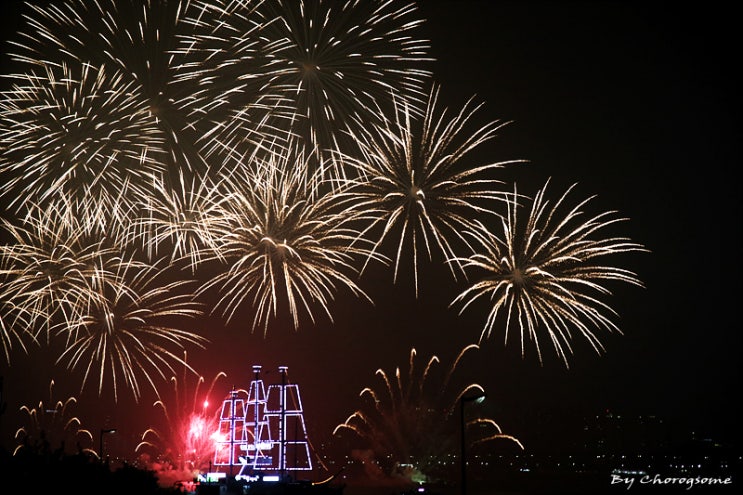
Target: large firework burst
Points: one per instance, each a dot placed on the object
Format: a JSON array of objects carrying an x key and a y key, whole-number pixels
[
  {"x": 286, "y": 237},
  {"x": 58, "y": 260},
  {"x": 129, "y": 331},
  {"x": 307, "y": 66},
  {"x": 414, "y": 179},
  {"x": 223, "y": 58},
  {"x": 134, "y": 38},
  {"x": 340, "y": 61},
  {"x": 136, "y": 35},
  {"x": 411, "y": 420},
  {"x": 76, "y": 132},
  {"x": 547, "y": 276}
]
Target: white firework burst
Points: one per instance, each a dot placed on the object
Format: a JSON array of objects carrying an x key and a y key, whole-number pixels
[
  {"x": 130, "y": 334},
  {"x": 416, "y": 184},
  {"x": 338, "y": 62},
  {"x": 59, "y": 257},
  {"x": 287, "y": 239},
  {"x": 547, "y": 276},
  {"x": 135, "y": 38},
  {"x": 76, "y": 132}
]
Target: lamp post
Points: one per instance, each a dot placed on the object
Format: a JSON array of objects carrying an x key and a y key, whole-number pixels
[
  {"x": 100, "y": 450},
  {"x": 478, "y": 397}
]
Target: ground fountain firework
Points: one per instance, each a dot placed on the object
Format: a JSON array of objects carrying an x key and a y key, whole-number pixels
[
  {"x": 182, "y": 445},
  {"x": 411, "y": 426}
]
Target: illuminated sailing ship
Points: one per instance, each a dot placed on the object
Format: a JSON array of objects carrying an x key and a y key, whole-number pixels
[{"x": 263, "y": 431}]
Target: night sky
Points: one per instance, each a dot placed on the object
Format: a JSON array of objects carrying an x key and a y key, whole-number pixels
[{"x": 637, "y": 104}]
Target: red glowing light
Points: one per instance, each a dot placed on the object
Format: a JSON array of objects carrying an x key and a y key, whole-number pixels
[{"x": 197, "y": 427}]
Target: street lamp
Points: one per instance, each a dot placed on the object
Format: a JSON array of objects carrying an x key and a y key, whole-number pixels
[
  {"x": 100, "y": 450},
  {"x": 478, "y": 397}
]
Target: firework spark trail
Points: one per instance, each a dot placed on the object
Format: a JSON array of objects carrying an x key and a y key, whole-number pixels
[
  {"x": 497, "y": 432},
  {"x": 413, "y": 177},
  {"x": 287, "y": 238},
  {"x": 548, "y": 275},
  {"x": 408, "y": 423},
  {"x": 127, "y": 330},
  {"x": 14, "y": 323},
  {"x": 176, "y": 219},
  {"x": 51, "y": 424},
  {"x": 75, "y": 132}
]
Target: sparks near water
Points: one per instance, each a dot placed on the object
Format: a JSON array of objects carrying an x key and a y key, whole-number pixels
[
  {"x": 52, "y": 423},
  {"x": 412, "y": 420}
]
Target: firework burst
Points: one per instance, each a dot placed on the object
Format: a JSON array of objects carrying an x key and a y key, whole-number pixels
[
  {"x": 223, "y": 58},
  {"x": 51, "y": 425},
  {"x": 58, "y": 261},
  {"x": 548, "y": 275},
  {"x": 127, "y": 331},
  {"x": 135, "y": 35},
  {"x": 175, "y": 219},
  {"x": 134, "y": 38},
  {"x": 339, "y": 61},
  {"x": 411, "y": 421},
  {"x": 75, "y": 132},
  {"x": 287, "y": 239},
  {"x": 414, "y": 179}
]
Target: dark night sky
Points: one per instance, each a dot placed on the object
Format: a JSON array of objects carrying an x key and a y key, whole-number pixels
[{"x": 635, "y": 103}]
